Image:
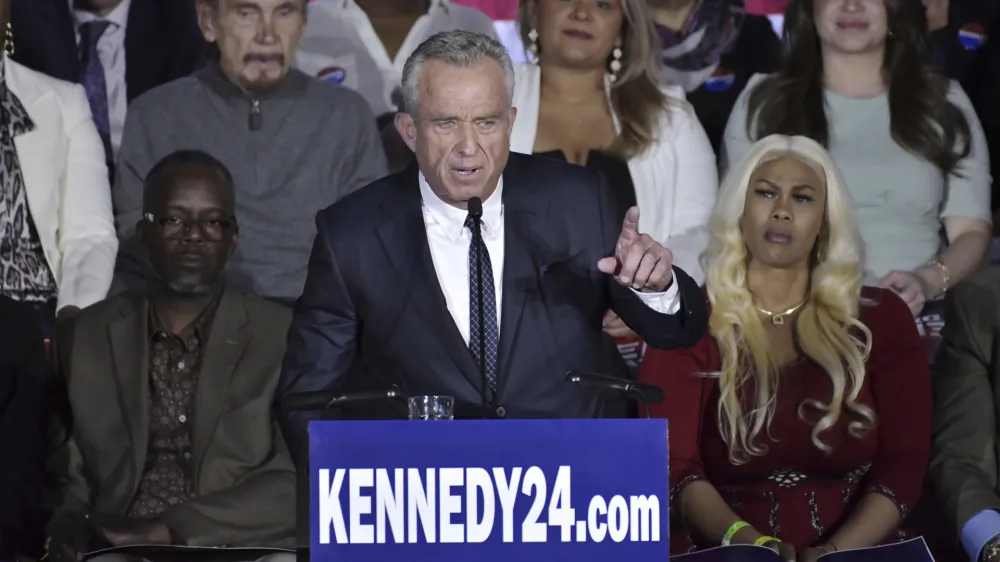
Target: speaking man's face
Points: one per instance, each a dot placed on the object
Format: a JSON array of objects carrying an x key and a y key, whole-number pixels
[{"x": 461, "y": 129}]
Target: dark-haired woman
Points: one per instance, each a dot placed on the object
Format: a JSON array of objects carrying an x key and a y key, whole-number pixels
[
  {"x": 711, "y": 48},
  {"x": 858, "y": 80}
]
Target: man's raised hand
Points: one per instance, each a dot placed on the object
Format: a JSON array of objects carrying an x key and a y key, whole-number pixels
[{"x": 639, "y": 261}]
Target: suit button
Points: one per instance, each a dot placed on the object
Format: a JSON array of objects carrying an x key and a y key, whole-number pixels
[{"x": 501, "y": 412}]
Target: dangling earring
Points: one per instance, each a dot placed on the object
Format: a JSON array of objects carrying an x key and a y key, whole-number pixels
[
  {"x": 8, "y": 41},
  {"x": 616, "y": 61},
  {"x": 533, "y": 44}
]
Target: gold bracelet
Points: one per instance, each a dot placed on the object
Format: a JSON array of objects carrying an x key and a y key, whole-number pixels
[{"x": 945, "y": 274}]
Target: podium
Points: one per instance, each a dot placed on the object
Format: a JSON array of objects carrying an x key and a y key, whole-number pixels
[{"x": 488, "y": 491}]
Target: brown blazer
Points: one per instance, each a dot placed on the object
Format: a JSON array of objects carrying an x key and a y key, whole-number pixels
[
  {"x": 244, "y": 481},
  {"x": 966, "y": 379}
]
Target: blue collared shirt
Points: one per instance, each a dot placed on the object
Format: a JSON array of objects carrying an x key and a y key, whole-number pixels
[{"x": 978, "y": 531}]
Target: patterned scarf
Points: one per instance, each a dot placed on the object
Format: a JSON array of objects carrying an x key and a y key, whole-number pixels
[{"x": 709, "y": 33}]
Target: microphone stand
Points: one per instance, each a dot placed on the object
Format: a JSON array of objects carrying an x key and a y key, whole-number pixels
[
  {"x": 476, "y": 211},
  {"x": 644, "y": 393}
]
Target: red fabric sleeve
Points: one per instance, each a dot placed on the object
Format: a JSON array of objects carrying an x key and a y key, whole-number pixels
[
  {"x": 901, "y": 387},
  {"x": 679, "y": 373}
]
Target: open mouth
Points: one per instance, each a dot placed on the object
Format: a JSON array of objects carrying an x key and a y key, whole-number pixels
[{"x": 466, "y": 173}]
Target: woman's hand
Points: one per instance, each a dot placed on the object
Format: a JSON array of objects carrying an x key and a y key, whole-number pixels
[
  {"x": 810, "y": 554},
  {"x": 615, "y": 327},
  {"x": 784, "y": 550},
  {"x": 912, "y": 288}
]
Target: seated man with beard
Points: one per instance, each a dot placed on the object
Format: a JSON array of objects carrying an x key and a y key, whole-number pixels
[{"x": 171, "y": 388}]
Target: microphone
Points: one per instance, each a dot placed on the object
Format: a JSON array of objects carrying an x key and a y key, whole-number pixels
[
  {"x": 476, "y": 212},
  {"x": 645, "y": 393},
  {"x": 325, "y": 399},
  {"x": 476, "y": 208}
]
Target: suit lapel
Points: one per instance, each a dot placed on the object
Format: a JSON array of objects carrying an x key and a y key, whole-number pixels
[
  {"x": 523, "y": 217},
  {"x": 227, "y": 340},
  {"x": 403, "y": 237},
  {"x": 34, "y": 148},
  {"x": 129, "y": 340}
]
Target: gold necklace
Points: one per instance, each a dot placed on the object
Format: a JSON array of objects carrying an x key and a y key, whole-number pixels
[{"x": 778, "y": 318}]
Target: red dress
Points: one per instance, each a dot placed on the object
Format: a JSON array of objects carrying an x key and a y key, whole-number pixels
[{"x": 795, "y": 491}]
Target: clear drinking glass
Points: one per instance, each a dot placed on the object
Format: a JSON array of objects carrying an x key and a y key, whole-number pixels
[{"x": 432, "y": 408}]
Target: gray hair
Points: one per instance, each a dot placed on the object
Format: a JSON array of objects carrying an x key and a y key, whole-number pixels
[{"x": 459, "y": 48}]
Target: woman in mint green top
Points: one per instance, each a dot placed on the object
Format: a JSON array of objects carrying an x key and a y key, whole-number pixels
[{"x": 857, "y": 79}]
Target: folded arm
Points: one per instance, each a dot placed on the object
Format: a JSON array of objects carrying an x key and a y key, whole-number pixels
[
  {"x": 258, "y": 510},
  {"x": 963, "y": 466},
  {"x": 695, "y": 502},
  {"x": 896, "y": 479},
  {"x": 965, "y": 211}
]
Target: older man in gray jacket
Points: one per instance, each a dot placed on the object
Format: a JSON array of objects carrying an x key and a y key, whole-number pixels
[{"x": 293, "y": 143}]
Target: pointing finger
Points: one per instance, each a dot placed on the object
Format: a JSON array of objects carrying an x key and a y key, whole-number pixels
[
  {"x": 631, "y": 259},
  {"x": 630, "y": 227}
]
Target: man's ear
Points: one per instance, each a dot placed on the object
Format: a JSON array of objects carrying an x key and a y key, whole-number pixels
[
  {"x": 207, "y": 19},
  {"x": 407, "y": 128}
]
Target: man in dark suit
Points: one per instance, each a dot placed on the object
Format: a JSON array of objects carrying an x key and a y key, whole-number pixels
[
  {"x": 23, "y": 372},
  {"x": 117, "y": 49},
  {"x": 173, "y": 440},
  {"x": 392, "y": 274},
  {"x": 966, "y": 379}
]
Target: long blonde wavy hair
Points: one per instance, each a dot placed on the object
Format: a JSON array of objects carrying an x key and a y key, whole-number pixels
[
  {"x": 637, "y": 97},
  {"x": 827, "y": 331}
]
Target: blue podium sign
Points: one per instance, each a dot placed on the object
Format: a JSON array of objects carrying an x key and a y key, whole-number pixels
[{"x": 485, "y": 491}]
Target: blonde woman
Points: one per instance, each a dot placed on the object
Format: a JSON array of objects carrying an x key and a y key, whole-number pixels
[
  {"x": 590, "y": 95},
  {"x": 802, "y": 420}
]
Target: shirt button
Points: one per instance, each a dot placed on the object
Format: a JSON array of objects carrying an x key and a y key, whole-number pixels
[
  {"x": 501, "y": 412},
  {"x": 180, "y": 365},
  {"x": 187, "y": 455},
  {"x": 183, "y": 418}
]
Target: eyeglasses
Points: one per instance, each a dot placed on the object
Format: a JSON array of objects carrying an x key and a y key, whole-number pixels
[{"x": 213, "y": 230}]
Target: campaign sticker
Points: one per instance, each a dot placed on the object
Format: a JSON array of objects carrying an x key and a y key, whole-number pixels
[
  {"x": 972, "y": 36},
  {"x": 332, "y": 74},
  {"x": 720, "y": 80}
]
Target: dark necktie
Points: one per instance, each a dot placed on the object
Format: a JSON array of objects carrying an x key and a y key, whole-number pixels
[
  {"x": 489, "y": 329},
  {"x": 93, "y": 80}
]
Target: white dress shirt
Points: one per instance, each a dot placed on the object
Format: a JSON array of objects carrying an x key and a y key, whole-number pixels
[
  {"x": 449, "y": 242},
  {"x": 340, "y": 45},
  {"x": 111, "y": 52}
]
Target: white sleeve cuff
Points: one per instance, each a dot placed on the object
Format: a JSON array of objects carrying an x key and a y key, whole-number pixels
[{"x": 667, "y": 302}]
